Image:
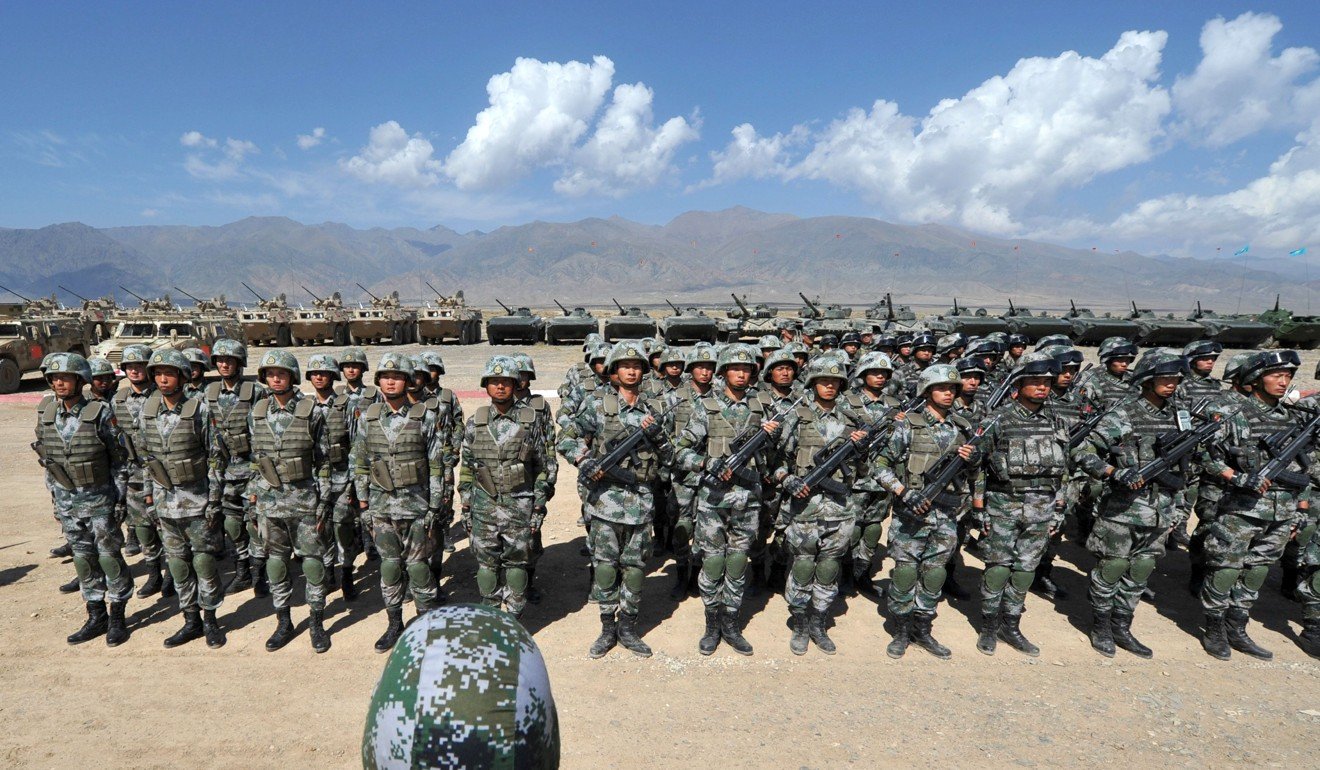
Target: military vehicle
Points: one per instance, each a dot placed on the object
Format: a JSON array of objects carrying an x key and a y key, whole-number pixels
[
  {"x": 384, "y": 321},
  {"x": 1290, "y": 330},
  {"x": 446, "y": 318},
  {"x": 159, "y": 323},
  {"x": 1033, "y": 327},
  {"x": 521, "y": 325},
  {"x": 744, "y": 323},
  {"x": 26, "y": 338},
  {"x": 573, "y": 326},
  {"x": 96, "y": 315},
  {"x": 832, "y": 319},
  {"x": 688, "y": 325},
  {"x": 1091, "y": 329},
  {"x": 213, "y": 306},
  {"x": 631, "y": 323},
  {"x": 269, "y": 323},
  {"x": 883, "y": 316},
  {"x": 1231, "y": 331},
  {"x": 1165, "y": 331},
  {"x": 326, "y": 321}
]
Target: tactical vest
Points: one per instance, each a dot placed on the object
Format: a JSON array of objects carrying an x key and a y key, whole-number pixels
[
  {"x": 336, "y": 428},
  {"x": 83, "y": 457},
  {"x": 924, "y": 451},
  {"x": 1139, "y": 447},
  {"x": 182, "y": 455},
  {"x": 1027, "y": 454},
  {"x": 720, "y": 433},
  {"x": 290, "y": 453},
  {"x": 811, "y": 441},
  {"x": 368, "y": 393},
  {"x": 445, "y": 397},
  {"x": 683, "y": 410},
  {"x": 504, "y": 469},
  {"x": 126, "y": 414},
  {"x": 1195, "y": 388},
  {"x": 404, "y": 457},
  {"x": 232, "y": 424},
  {"x": 1261, "y": 423},
  {"x": 863, "y": 405},
  {"x": 644, "y": 462}
]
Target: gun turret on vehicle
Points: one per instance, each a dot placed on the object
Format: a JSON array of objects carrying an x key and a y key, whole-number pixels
[
  {"x": 688, "y": 325},
  {"x": 1231, "y": 331},
  {"x": 883, "y": 315},
  {"x": 213, "y": 305},
  {"x": 326, "y": 321},
  {"x": 1091, "y": 329},
  {"x": 448, "y": 318},
  {"x": 96, "y": 315},
  {"x": 160, "y": 324},
  {"x": 27, "y": 334},
  {"x": 630, "y": 323},
  {"x": 1021, "y": 321},
  {"x": 383, "y": 321},
  {"x": 269, "y": 323},
  {"x": 973, "y": 323},
  {"x": 521, "y": 326},
  {"x": 573, "y": 326},
  {"x": 1301, "y": 332},
  {"x": 831, "y": 319},
  {"x": 747, "y": 323},
  {"x": 1164, "y": 331}
]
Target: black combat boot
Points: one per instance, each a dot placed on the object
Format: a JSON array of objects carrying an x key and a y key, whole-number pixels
[
  {"x": 921, "y": 626},
  {"x": 116, "y": 632},
  {"x": 260, "y": 584},
  {"x": 167, "y": 589},
  {"x": 865, "y": 584},
  {"x": 986, "y": 639},
  {"x": 628, "y": 636},
  {"x": 902, "y": 636},
  {"x": 731, "y": 634},
  {"x": 346, "y": 583},
  {"x": 797, "y": 620},
  {"x": 71, "y": 587},
  {"x": 711, "y": 639},
  {"x": 1237, "y": 619},
  {"x": 1045, "y": 587},
  {"x": 609, "y": 636},
  {"x": 242, "y": 577},
  {"x": 951, "y": 587},
  {"x": 1122, "y": 631},
  {"x": 392, "y": 632},
  {"x": 283, "y": 630},
  {"x": 1010, "y": 633},
  {"x": 316, "y": 630},
  {"x": 97, "y": 620},
  {"x": 1102, "y": 633},
  {"x": 192, "y": 629},
  {"x": 534, "y": 595},
  {"x": 1178, "y": 537},
  {"x": 816, "y": 630},
  {"x": 1288, "y": 583},
  {"x": 681, "y": 574},
  {"x": 61, "y": 551},
  {"x": 131, "y": 545},
  {"x": 1309, "y": 641},
  {"x": 154, "y": 580},
  {"x": 1215, "y": 639},
  {"x": 215, "y": 635}
]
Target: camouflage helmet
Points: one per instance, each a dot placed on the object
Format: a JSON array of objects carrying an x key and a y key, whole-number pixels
[
  {"x": 1037, "y": 363},
  {"x": 626, "y": 350},
  {"x": 464, "y": 686},
  {"x": 1052, "y": 340},
  {"x": 45, "y": 361},
  {"x": 354, "y": 356},
  {"x": 1158, "y": 364},
  {"x": 886, "y": 340},
  {"x": 769, "y": 342},
  {"x": 323, "y": 363},
  {"x": 923, "y": 340},
  {"x": 198, "y": 356},
  {"x": 739, "y": 354},
  {"x": 950, "y": 342},
  {"x": 279, "y": 359},
  {"x": 781, "y": 356},
  {"x": 501, "y": 366},
  {"x": 1267, "y": 361},
  {"x": 1066, "y": 355},
  {"x": 394, "y": 362},
  {"x": 100, "y": 366},
  {"x": 591, "y": 339},
  {"x": 139, "y": 354},
  {"x": 827, "y": 366},
  {"x": 1201, "y": 349},
  {"x": 872, "y": 361},
  {"x": 701, "y": 353},
  {"x": 428, "y": 359},
  {"x": 599, "y": 352},
  {"x": 829, "y": 340},
  {"x": 970, "y": 365},
  {"x": 232, "y": 348},
  {"x": 69, "y": 363},
  {"x": 670, "y": 354},
  {"x": 985, "y": 347},
  {"x": 1016, "y": 339},
  {"x": 798, "y": 348},
  {"x": 168, "y": 357},
  {"x": 904, "y": 340},
  {"x": 939, "y": 374},
  {"x": 1000, "y": 337},
  {"x": 1117, "y": 347},
  {"x": 1235, "y": 364},
  {"x": 850, "y": 338},
  {"x": 652, "y": 347},
  {"x": 525, "y": 365}
]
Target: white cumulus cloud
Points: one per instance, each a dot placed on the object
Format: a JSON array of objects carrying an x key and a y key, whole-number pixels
[
  {"x": 757, "y": 157},
  {"x": 196, "y": 139},
  {"x": 214, "y": 161},
  {"x": 395, "y": 158},
  {"x": 308, "y": 141}
]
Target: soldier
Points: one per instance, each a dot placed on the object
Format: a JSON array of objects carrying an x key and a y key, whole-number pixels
[
  {"x": 950, "y": 347},
  {"x": 571, "y": 399},
  {"x": 143, "y": 531},
  {"x": 923, "y": 355},
  {"x": 971, "y": 372},
  {"x": 1136, "y": 514},
  {"x": 727, "y": 507},
  {"x": 104, "y": 380},
  {"x": 199, "y": 364},
  {"x": 819, "y": 520},
  {"x": 341, "y": 539},
  {"x": 1015, "y": 346},
  {"x": 504, "y": 479},
  {"x": 63, "y": 550},
  {"x": 183, "y": 489},
  {"x": 1112, "y": 384},
  {"x": 684, "y": 402},
  {"x": 399, "y": 461},
  {"x": 1200, "y": 357},
  {"x": 1308, "y": 593},
  {"x": 546, "y": 429},
  {"x": 291, "y": 492},
  {"x": 1256, "y": 516},
  {"x": 620, "y": 501},
  {"x": 768, "y": 344},
  {"x": 827, "y": 342},
  {"x": 85, "y": 466},
  {"x": 851, "y": 343},
  {"x": 1068, "y": 409},
  {"x": 870, "y": 401},
  {"x": 780, "y": 391},
  {"x": 353, "y": 365},
  {"x": 991, "y": 354},
  {"x": 229, "y": 401},
  {"x": 449, "y": 413}
]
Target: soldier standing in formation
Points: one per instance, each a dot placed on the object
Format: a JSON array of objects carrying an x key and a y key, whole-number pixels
[
  {"x": 341, "y": 534},
  {"x": 871, "y": 401},
  {"x": 684, "y": 402}
]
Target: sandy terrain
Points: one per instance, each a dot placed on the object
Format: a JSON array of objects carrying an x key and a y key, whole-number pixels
[{"x": 142, "y": 705}]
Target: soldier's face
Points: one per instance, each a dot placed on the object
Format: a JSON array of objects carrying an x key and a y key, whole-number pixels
[
  {"x": 802, "y": 359},
  {"x": 876, "y": 379},
  {"x": 827, "y": 388},
  {"x": 905, "y": 350},
  {"x": 168, "y": 379},
  {"x": 851, "y": 348},
  {"x": 500, "y": 389},
  {"x": 783, "y": 375},
  {"x": 420, "y": 379},
  {"x": 1119, "y": 366},
  {"x": 352, "y": 372},
  {"x": 103, "y": 383},
  {"x": 198, "y": 372},
  {"x": 702, "y": 374},
  {"x": 737, "y": 376},
  {"x": 64, "y": 384},
  {"x": 1016, "y": 350},
  {"x": 392, "y": 384},
  {"x": 598, "y": 366},
  {"x": 672, "y": 369},
  {"x": 320, "y": 380},
  {"x": 1066, "y": 377},
  {"x": 227, "y": 366},
  {"x": 924, "y": 354},
  {"x": 1165, "y": 385},
  {"x": 434, "y": 374},
  {"x": 970, "y": 384},
  {"x": 136, "y": 373},
  {"x": 1035, "y": 389},
  {"x": 942, "y": 395},
  {"x": 629, "y": 373},
  {"x": 1276, "y": 383},
  {"x": 278, "y": 380},
  {"x": 524, "y": 381},
  {"x": 1204, "y": 365}
]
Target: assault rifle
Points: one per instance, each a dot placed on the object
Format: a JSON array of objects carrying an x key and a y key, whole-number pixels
[
  {"x": 837, "y": 455},
  {"x": 745, "y": 447},
  {"x": 1083, "y": 429},
  {"x": 946, "y": 469},
  {"x": 619, "y": 450},
  {"x": 1171, "y": 450},
  {"x": 1283, "y": 448},
  {"x": 1000, "y": 393}
]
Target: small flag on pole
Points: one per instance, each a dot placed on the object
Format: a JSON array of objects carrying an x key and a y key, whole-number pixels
[
  {"x": 1298, "y": 252},
  {"x": 1242, "y": 250}
]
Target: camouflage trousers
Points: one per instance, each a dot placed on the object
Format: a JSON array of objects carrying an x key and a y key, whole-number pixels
[
  {"x": 1126, "y": 558},
  {"x": 1206, "y": 509},
  {"x": 921, "y": 547},
  {"x": 502, "y": 543},
  {"x": 1294, "y": 553},
  {"x": 192, "y": 546},
  {"x": 1308, "y": 587},
  {"x": 143, "y": 522},
  {"x": 761, "y": 550},
  {"x": 405, "y": 547},
  {"x": 348, "y": 522},
  {"x": 286, "y": 538},
  {"x": 1239, "y": 551},
  {"x": 240, "y": 518},
  {"x": 1017, "y": 533},
  {"x": 97, "y": 541},
  {"x": 618, "y": 554},
  {"x": 724, "y": 537},
  {"x": 682, "y": 509},
  {"x": 815, "y": 549},
  {"x": 872, "y": 508}
]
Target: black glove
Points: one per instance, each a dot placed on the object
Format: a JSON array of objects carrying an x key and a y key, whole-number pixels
[
  {"x": 654, "y": 429},
  {"x": 1248, "y": 481},
  {"x": 794, "y": 484},
  {"x": 1129, "y": 478},
  {"x": 914, "y": 501},
  {"x": 588, "y": 469}
]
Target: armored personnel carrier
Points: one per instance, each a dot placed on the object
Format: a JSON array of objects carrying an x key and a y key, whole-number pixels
[
  {"x": 688, "y": 325},
  {"x": 885, "y": 316},
  {"x": 1033, "y": 327},
  {"x": 1166, "y": 331},
  {"x": 631, "y": 323},
  {"x": 96, "y": 315},
  {"x": 269, "y": 323},
  {"x": 744, "y": 323},
  {"x": 159, "y": 323},
  {"x": 28, "y": 333},
  {"x": 1091, "y": 329},
  {"x": 1291, "y": 330},
  {"x": 384, "y": 321},
  {"x": 1231, "y": 331},
  {"x": 448, "y": 318},
  {"x": 326, "y": 321},
  {"x": 573, "y": 326},
  {"x": 521, "y": 326},
  {"x": 831, "y": 319},
  {"x": 973, "y": 323}
]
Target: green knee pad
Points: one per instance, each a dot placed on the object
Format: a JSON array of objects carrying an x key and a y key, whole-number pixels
[
  {"x": 903, "y": 577},
  {"x": 827, "y": 571},
  {"x": 996, "y": 577},
  {"x": 277, "y": 570},
  {"x": 1022, "y": 580},
  {"x": 1254, "y": 576},
  {"x": 488, "y": 581},
  {"x": 632, "y": 579},
  {"x": 110, "y": 565},
  {"x": 391, "y": 572},
  {"x": 516, "y": 579},
  {"x": 205, "y": 565},
  {"x": 1314, "y": 580},
  {"x": 714, "y": 567},
  {"x": 179, "y": 569},
  {"x": 854, "y": 537},
  {"x": 346, "y": 532},
  {"x": 234, "y": 528},
  {"x": 83, "y": 565},
  {"x": 735, "y": 565},
  {"x": 1141, "y": 568},
  {"x": 871, "y": 535},
  {"x": 419, "y": 574},
  {"x": 146, "y": 535},
  {"x": 606, "y": 576},
  {"x": 313, "y": 570},
  {"x": 1224, "y": 578},
  {"x": 932, "y": 578},
  {"x": 1113, "y": 570},
  {"x": 803, "y": 570}
]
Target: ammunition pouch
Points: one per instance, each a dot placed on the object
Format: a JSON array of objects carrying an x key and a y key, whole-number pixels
[
  {"x": 158, "y": 473},
  {"x": 130, "y": 449},
  {"x": 40, "y": 450},
  {"x": 239, "y": 444},
  {"x": 486, "y": 481},
  {"x": 60, "y": 475},
  {"x": 338, "y": 454},
  {"x": 269, "y": 472},
  {"x": 172, "y": 473}
]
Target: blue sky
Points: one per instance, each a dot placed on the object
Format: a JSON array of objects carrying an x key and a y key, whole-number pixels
[{"x": 1164, "y": 127}]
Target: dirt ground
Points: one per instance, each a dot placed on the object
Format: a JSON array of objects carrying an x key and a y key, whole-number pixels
[{"x": 143, "y": 705}]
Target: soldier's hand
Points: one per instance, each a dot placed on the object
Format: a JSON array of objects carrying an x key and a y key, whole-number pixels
[
  {"x": 770, "y": 426},
  {"x": 857, "y": 436},
  {"x": 591, "y": 469},
  {"x": 1129, "y": 478},
  {"x": 795, "y": 486},
  {"x": 362, "y": 505},
  {"x": 914, "y": 501},
  {"x": 965, "y": 451}
]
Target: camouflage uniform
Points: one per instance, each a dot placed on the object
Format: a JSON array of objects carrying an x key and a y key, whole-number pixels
[
  {"x": 340, "y": 538},
  {"x": 229, "y": 404},
  {"x": 465, "y": 687},
  {"x": 127, "y": 403},
  {"x": 770, "y": 556},
  {"x": 1308, "y": 592},
  {"x": 685, "y": 402},
  {"x": 358, "y": 397},
  {"x": 870, "y": 499},
  {"x": 545, "y": 419},
  {"x": 449, "y": 423}
]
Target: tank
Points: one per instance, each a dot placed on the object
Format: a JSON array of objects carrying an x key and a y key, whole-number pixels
[
  {"x": 521, "y": 326},
  {"x": 573, "y": 326},
  {"x": 630, "y": 324},
  {"x": 448, "y": 318},
  {"x": 747, "y": 323},
  {"x": 1167, "y": 331},
  {"x": 327, "y": 321},
  {"x": 1033, "y": 327},
  {"x": 973, "y": 323},
  {"x": 269, "y": 323},
  {"x": 96, "y": 316},
  {"x": 1290, "y": 330},
  {"x": 27, "y": 333},
  {"x": 1091, "y": 329},
  {"x": 831, "y": 319},
  {"x": 383, "y": 321},
  {"x": 688, "y": 325},
  {"x": 158, "y": 324},
  {"x": 1232, "y": 331},
  {"x": 883, "y": 316}
]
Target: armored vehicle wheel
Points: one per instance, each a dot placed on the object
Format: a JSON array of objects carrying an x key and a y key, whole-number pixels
[{"x": 10, "y": 376}]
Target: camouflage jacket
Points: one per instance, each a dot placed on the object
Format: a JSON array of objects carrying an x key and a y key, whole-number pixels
[
  {"x": 408, "y": 501},
  {"x": 1237, "y": 446},
  {"x": 236, "y": 468},
  {"x": 295, "y": 499},
  {"x": 868, "y": 410},
  {"x": 511, "y": 438},
  {"x": 692, "y": 454},
  {"x": 194, "y": 499},
  {"x": 1195, "y": 387},
  {"x": 1102, "y": 390},
  {"x": 1126, "y": 438},
  {"x": 898, "y": 466},
  {"x": 684, "y": 403},
  {"x": 1023, "y": 451},
  {"x": 93, "y": 499},
  {"x": 546, "y": 420},
  {"x": 359, "y": 399},
  {"x": 828, "y": 427},
  {"x": 127, "y": 403}
]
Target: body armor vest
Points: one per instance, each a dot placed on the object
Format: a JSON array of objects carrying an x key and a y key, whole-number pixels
[
  {"x": 811, "y": 441},
  {"x": 720, "y": 433},
  {"x": 289, "y": 452},
  {"x": 1027, "y": 454},
  {"x": 336, "y": 428},
  {"x": 1147, "y": 426},
  {"x": 645, "y": 462},
  {"x": 233, "y": 422},
  {"x": 924, "y": 450},
  {"x": 404, "y": 456},
  {"x": 503, "y": 469},
  {"x": 83, "y": 457},
  {"x": 183, "y": 453},
  {"x": 1261, "y": 422},
  {"x": 127, "y": 408}
]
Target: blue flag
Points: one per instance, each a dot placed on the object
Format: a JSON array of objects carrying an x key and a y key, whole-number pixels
[
  {"x": 1242, "y": 250},
  {"x": 1298, "y": 252}
]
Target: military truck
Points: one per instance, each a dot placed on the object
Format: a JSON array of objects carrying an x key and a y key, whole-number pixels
[
  {"x": 1091, "y": 329},
  {"x": 831, "y": 319},
  {"x": 384, "y": 321},
  {"x": 959, "y": 319},
  {"x": 1165, "y": 331},
  {"x": 269, "y": 323},
  {"x": 448, "y": 318},
  {"x": 1033, "y": 327},
  {"x": 631, "y": 323},
  {"x": 573, "y": 326},
  {"x": 521, "y": 326},
  {"x": 1291, "y": 330},
  {"x": 883, "y": 316},
  {"x": 326, "y": 321},
  {"x": 688, "y": 325},
  {"x": 159, "y": 323},
  {"x": 26, "y": 338},
  {"x": 744, "y": 323},
  {"x": 1231, "y": 331},
  {"x": 96, "y": 315}
]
